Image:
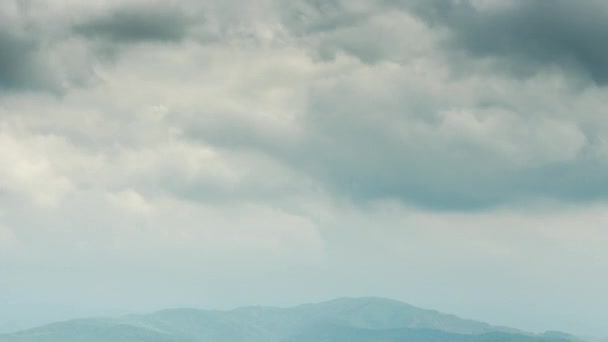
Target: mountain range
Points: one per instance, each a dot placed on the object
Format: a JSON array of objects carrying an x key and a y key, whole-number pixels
[{"x": 345, "y": 319}]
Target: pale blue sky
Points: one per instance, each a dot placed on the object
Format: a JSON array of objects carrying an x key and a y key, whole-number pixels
[{"x": 449, "y": 154}]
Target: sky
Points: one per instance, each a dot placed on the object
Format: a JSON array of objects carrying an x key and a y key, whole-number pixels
[{"x": 451, "y": 154}]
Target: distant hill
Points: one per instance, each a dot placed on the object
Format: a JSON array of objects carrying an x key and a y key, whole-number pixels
[{"x": 346, "y": 319}]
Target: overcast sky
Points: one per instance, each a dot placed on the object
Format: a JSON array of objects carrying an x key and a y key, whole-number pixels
[{"x": 452, "y": 154}]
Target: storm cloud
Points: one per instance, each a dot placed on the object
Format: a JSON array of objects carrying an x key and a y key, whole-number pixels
[
  {"x": 21, "y": 61},
  {"x": 164, "y": 22},
  {"x": 529, "y": 35}
]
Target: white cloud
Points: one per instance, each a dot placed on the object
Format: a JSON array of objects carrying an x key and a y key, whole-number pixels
[{"x": 28, "y": 170}]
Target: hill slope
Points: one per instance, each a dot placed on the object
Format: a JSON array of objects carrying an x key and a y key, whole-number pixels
[{"x": 347, "y": 319}]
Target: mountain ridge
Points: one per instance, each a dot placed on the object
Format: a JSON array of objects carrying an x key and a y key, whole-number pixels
[{"x": 342, "y": 319}]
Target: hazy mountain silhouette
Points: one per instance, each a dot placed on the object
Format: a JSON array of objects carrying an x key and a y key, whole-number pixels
[{"x": 346, "y": 319}]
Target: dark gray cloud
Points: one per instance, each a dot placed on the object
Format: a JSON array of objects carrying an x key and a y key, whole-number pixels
[
  {"x": 21, "y": 63},
  {"x": 34, "y": 49},
  {"x": 17, "y": 62},
  {"x": 36, "y": 39},
  {"x": 29, "y": 62},
  {"x": 130, "y": 23},
  {"x": 367, "y": 165},
  {"x": 528, "y": 34}
]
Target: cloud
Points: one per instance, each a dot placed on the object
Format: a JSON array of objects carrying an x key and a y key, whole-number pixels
[
  {"x": 54, "y": 48},
  {"x": 409, "y": 131},
  {"x": 29, "y": 169},
  {"x": 34, "y": 49},
  {"x": 16, "y": 62},
  {"x": 20, "y": 64},
  {"x": 527, "y": 35},
  {"x": 138, "y": 22},
  {"x": 325, "y": 104},
  {"x": 307, "y": 17},
  {"x": 284, "y": 144}
]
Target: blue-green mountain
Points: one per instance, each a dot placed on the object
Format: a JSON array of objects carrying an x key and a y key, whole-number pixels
[{"x": 347, "y": 319}]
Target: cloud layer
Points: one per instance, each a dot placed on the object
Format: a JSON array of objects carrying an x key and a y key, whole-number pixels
[{"x": 283, "y": 144}]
